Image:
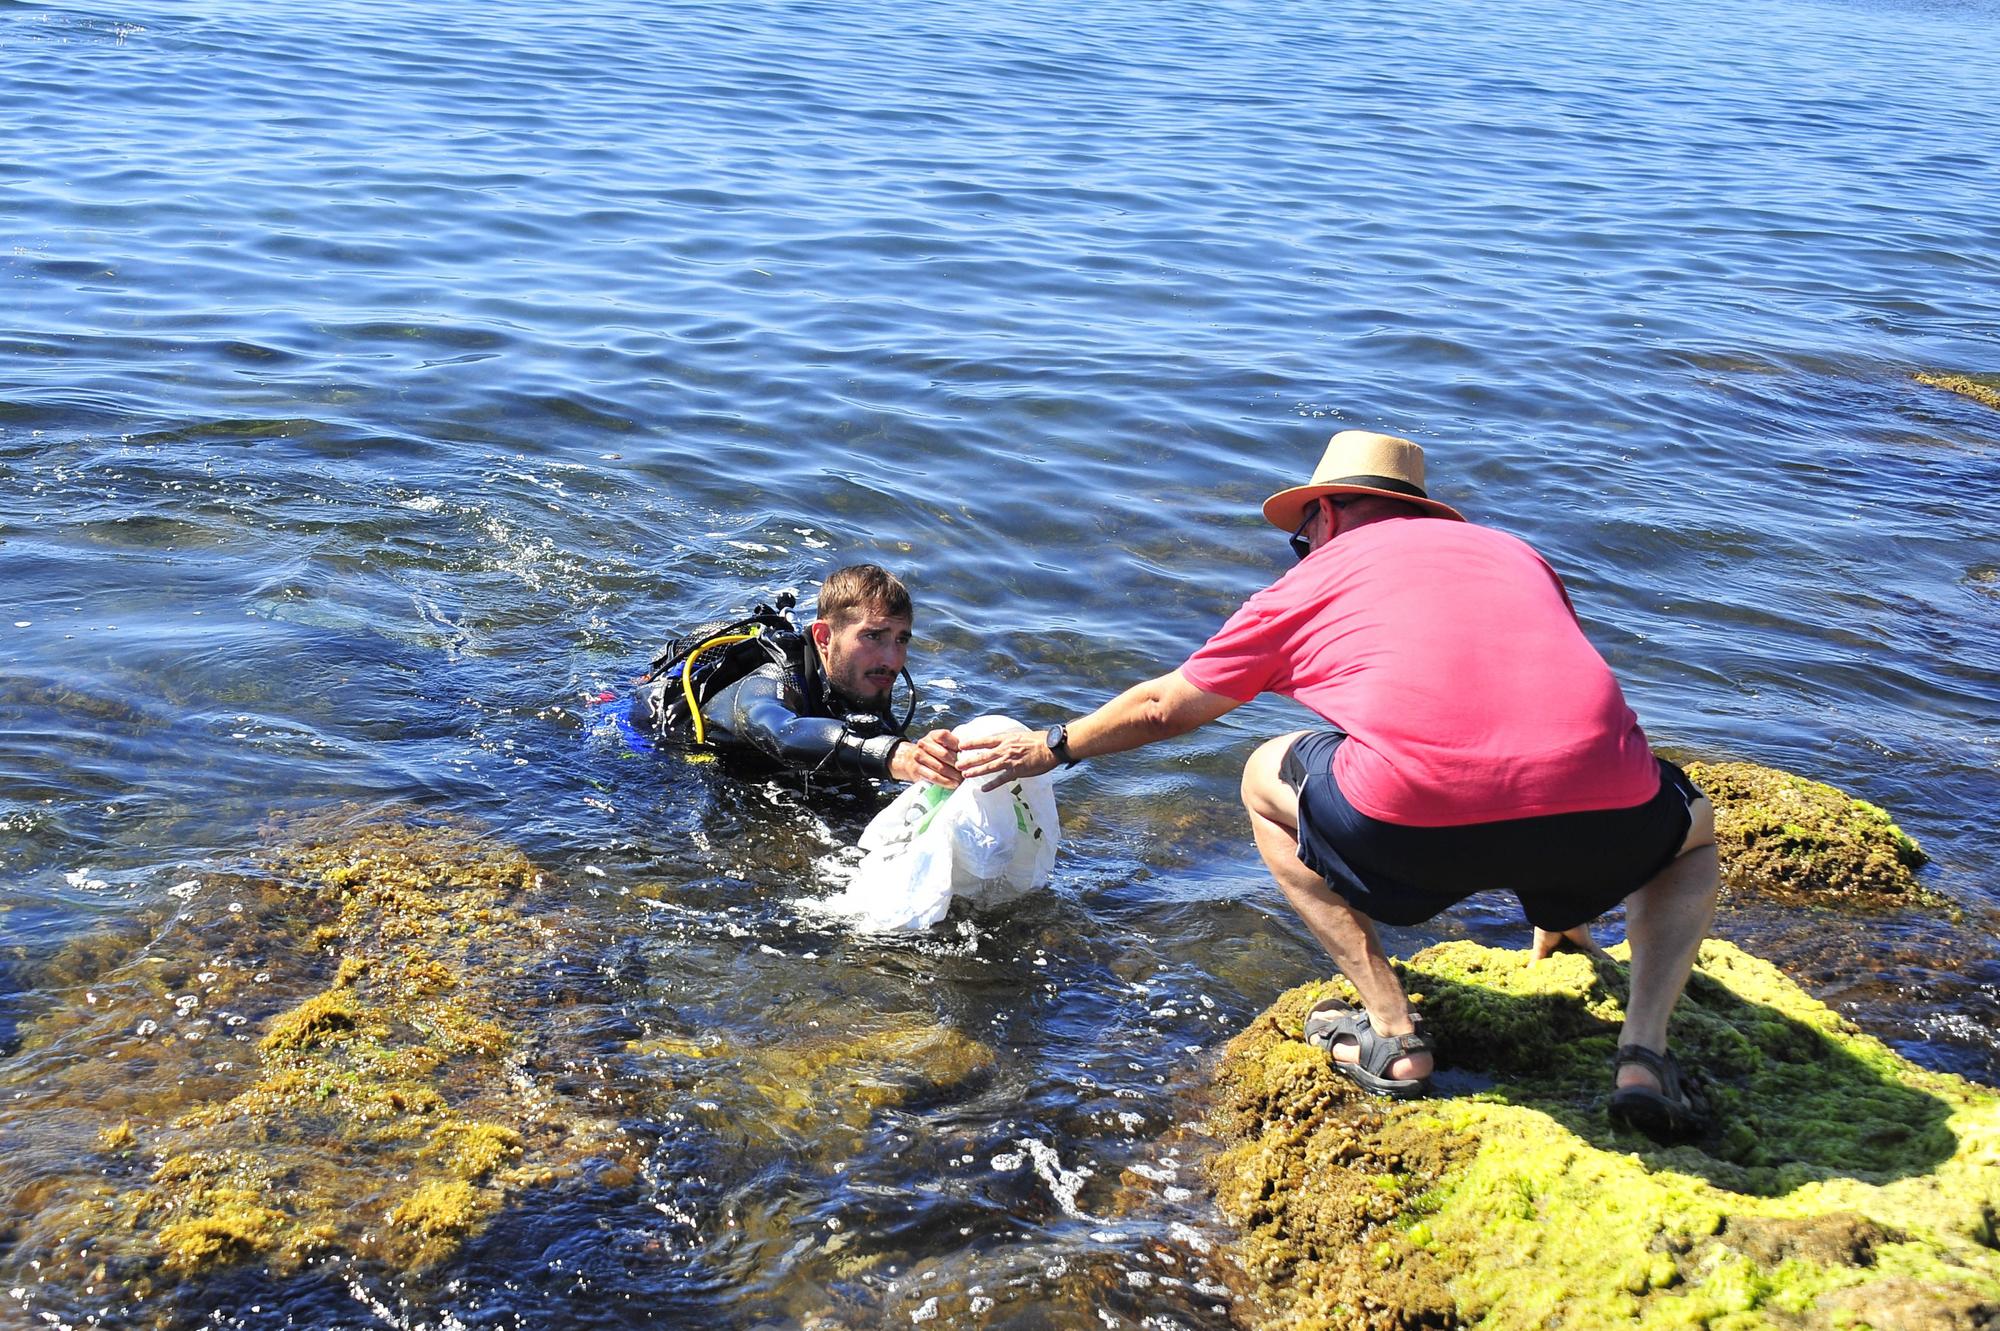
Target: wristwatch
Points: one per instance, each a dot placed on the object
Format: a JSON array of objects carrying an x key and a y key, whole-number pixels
[{"x": 1057, "y": 738}]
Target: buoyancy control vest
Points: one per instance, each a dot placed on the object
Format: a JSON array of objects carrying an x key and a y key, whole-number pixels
[{"x": 693, "y": 667}]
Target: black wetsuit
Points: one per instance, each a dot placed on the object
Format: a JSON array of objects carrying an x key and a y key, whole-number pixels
[{"x": 775, "y": 712}]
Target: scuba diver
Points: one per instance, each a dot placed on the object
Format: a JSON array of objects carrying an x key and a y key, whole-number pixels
[{"x": 817, "y": 701}]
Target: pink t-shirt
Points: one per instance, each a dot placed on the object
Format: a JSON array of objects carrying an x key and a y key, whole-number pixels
[{"x": 1449, "y": 654}]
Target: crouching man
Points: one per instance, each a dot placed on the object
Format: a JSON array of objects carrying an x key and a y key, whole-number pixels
[{"x": 1475, "y": 739}]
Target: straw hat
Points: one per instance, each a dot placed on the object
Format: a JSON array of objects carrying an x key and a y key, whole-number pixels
[{"x": 1359, "y": 462}]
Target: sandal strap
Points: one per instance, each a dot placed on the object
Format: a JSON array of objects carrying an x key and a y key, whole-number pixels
[
  {"x": 1373, "y": 1053},
  {"x": 1660, "y": 1065},
  {"x": 1675, "y": 1084},
  {"x": 1377, "y": 1052}
]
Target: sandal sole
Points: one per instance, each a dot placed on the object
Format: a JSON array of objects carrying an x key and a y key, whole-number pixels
[{"x": 1654, "y": 1115}]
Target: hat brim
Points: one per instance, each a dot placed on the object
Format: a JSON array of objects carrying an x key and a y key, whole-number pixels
[{"x": 1286, "y": 509}]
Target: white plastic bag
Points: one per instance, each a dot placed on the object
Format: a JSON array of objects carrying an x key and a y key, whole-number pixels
[{"x": 932, "y": 844}]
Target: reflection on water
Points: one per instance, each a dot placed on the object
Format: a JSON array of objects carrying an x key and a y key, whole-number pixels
[{"x": 379, "y": 385}]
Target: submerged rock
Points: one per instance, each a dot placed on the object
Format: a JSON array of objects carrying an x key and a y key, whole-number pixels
[
  {"x": 1981, "y": 388},
  {"x": 1840, "y": 1187},
  {"x": 1783, "y": 836},
  {"x": 357, "y": 1056},
  {"x": 814, "y": 1088},
  {"x": 383, "y": 1115}
]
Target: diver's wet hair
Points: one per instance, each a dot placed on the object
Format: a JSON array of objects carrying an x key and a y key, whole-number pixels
[{"x": 859, "y": 588}]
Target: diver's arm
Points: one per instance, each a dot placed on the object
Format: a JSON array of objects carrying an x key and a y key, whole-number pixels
[{"x": 761, "y": 715}]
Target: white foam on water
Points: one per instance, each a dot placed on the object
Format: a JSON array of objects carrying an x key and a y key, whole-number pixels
[{"x": 1064, "y": 1184}]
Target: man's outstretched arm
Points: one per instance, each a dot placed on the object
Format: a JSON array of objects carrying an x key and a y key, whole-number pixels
[{"x": 1155, "y": 710}]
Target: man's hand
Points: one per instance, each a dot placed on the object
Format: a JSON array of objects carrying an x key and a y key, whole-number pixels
[
  {"x": 933, "y": 758},
  {"x": 1154, "y": 710},
  {"x": 1004, "y": 758},
  {"x": 1548, "y": 943}
]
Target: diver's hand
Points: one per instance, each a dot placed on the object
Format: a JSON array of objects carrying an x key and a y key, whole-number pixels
[
  {"x": 1004, "y": 758},
  {"x": 932, "y": 758}
]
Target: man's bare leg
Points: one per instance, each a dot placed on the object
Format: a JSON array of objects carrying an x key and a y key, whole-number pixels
[
  {"x": 1347, "y": 935},
  {"x": 1665, "y": 922}
]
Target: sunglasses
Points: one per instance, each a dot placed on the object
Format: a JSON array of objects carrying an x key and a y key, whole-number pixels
[{"x": 1301, "y": 547}]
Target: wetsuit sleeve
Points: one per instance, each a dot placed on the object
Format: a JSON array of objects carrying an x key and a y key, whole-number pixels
[{"x": 762, "y": 715}]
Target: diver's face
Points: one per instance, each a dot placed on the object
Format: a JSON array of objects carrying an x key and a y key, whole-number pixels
[{"x": 864, "y": 655}]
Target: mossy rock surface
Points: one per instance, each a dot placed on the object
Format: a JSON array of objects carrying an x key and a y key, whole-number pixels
[
  {"x": 1981, "y": 388},
  {"x": 1841, "y": 1186},
  {"x": 381, "y": 1115},
  {"x": 814, "y": 1088},
  {"x": 363, "y": 1052},
  {"x": 1788, "y": 838}
]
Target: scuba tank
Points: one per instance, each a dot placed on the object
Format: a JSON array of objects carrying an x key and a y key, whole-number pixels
[{"x": 696, "y": 665}]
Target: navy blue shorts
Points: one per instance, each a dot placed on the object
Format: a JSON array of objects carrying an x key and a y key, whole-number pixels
[{"x": 1567, "y": 868}]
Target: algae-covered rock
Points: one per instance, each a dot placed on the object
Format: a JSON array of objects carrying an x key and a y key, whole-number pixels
[
  {"x": 850, "y": 1076},
  {"x": 382, "y": 1115},
  {"x": 1981, "y": 388},
  {"x": 1838, "y": 1179},
  {"x": 813, "y": 1092},
  {"x": 351, "y": 1055},
  {"x": 1784, "y": 836}
]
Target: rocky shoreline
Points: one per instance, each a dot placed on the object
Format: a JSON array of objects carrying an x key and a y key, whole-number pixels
[
  {"x": 342, "y": 1080},
  {"x": 1840, "y": 1186}
]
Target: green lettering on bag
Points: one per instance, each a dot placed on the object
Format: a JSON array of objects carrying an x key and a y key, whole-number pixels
[{"x": 933, "y": 799}]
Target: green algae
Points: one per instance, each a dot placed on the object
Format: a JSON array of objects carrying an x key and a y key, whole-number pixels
[
  {"x": 380, "y": 1116},
  {"x": 848, "y": 1077},
  {"x": 353, "y": 1055},
  {"x": 813, "y": 1093},
  {"x": 1794, "y": 840},
  {"x": 1981, "y": 388},
  {"x": 1839, "y": 1177}
]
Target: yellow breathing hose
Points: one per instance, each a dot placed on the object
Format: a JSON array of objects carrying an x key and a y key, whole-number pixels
[{"x": 687, "y": 676}]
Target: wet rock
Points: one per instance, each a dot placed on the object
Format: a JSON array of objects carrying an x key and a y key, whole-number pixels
[
  {"x": 379, "y": 1116},
  {"x": 1837, "y": 1180},
  {"x": 814, "y": 1093},
  {"x": 1791, "y": 839},
  {"x": 1981, "y": 388}
]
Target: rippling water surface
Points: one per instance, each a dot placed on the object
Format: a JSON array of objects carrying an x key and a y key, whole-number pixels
[{"x": 379, "y": 382}]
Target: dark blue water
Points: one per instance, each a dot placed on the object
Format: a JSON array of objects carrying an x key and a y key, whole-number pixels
[{"x": 378, "y": 382}]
